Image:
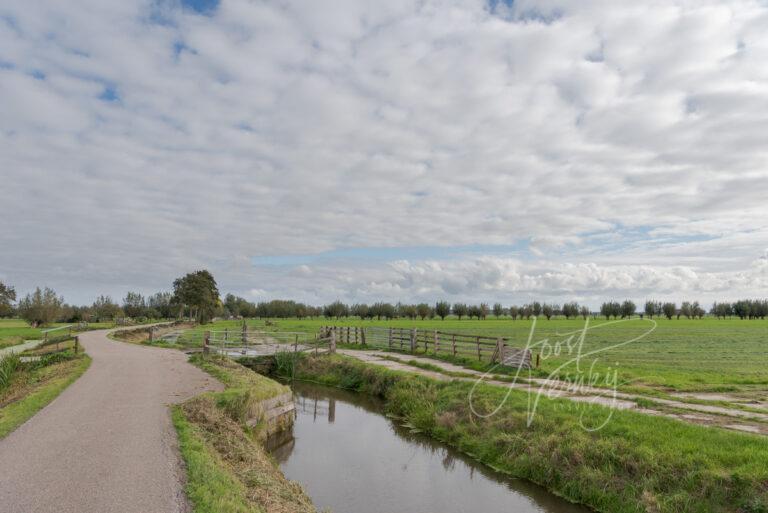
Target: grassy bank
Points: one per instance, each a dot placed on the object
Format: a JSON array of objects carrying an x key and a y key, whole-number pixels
[
  {"x": 35, "y": 384},
  {"x": 228, "y": 470},
  {"x": 635, "y": 463}
]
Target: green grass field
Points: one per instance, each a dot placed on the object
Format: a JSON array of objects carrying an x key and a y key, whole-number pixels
[
  {"x": 16, "y": 331},
  {"x": 677, "y": 355}
]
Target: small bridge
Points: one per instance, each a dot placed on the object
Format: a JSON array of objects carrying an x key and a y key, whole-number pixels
[{"x": 250, "y": 342}]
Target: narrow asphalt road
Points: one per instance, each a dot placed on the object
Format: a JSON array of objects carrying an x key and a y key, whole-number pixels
[{"x": 107, "y": 443}]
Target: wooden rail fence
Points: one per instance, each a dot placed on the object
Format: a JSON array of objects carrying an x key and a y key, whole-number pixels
[{"x": 482, "y": 347}]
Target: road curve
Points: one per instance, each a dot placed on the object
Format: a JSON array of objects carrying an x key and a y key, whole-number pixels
[{"x": 106, "y": 444}]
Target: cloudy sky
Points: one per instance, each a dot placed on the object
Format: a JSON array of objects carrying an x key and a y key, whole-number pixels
[{"x": 398, "y": 150}]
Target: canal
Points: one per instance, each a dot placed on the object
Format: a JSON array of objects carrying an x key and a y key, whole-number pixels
[{"x": 351, "y": 458}]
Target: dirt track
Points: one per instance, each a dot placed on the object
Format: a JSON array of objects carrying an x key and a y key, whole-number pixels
[{"x": 106, "y": 444}]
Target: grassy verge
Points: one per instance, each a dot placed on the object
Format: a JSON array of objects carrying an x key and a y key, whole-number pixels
[
  {"x": 635, "y": 463},
  {"x": 36, "y": 384},
  {"x": 228, "y": 470}
]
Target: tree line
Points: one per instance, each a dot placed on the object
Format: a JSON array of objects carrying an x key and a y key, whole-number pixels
[{"x": 196, "y": 296}]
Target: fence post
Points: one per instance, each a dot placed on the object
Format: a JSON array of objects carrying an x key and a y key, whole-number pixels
[
  {"x": 362, "y": 336},
  {"x": 206, "y": 341},
  {"x": 390, "y": 338},
  {"x": 77, "y": 343},
  {"x": 453, "y": 344},
  {"x": 295, "y": 343},
  {"x": 413, "y": 340},
  {"x": 500, "y": 350},
  {"x": 332, "y": 344},
  {"x": 151, "y": 334},
  {"x": 437, "y": 342},
  {"x": 479, "y": 356}
]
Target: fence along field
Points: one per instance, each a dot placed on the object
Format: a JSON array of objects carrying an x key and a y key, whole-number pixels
[{"x": 701, "y": 355}]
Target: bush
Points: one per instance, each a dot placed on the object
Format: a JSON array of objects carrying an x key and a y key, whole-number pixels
[{"x": 8, "y": 366}]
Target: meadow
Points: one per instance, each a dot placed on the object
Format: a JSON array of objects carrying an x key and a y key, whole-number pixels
[{"x": 695, "y": 355}]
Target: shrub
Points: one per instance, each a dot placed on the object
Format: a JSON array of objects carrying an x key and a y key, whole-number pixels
[{"x": 8, "y": 366}]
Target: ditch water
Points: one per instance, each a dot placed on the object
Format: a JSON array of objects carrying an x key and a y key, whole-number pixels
[{"x": 350, "y": 458}]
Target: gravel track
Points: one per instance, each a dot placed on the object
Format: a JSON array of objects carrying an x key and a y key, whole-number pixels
[{"x": 107, "y": 443}]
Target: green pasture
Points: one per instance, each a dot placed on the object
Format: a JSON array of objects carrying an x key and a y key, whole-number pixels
[{"x": 686, "y": 355}]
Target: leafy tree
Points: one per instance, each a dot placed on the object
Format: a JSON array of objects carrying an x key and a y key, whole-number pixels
[
  {"x": 483, "y": 311},
  {"x": 686, "y": 309},
  {"x": 514, "y": 312},
  {"x": 41, "y": 307},
  {"x": 527, "y": 311},
  {"x": 7, "y": 297},
  {"x": 570, "y": 310},
  {"x": 669, "y": 310},
  {"x": 547, "y": 310},
  {"x": 627, "y": 309},
  {"x": 697, "y": 310},
  {"x": 336, "y": 309},
  {"x": 105, "y": 309},
  {"x": 442, "y": 309},
  {"x": 498, "y": 310},
  {"x": 460, "y": 310},
  {"x": 198, "y": 291},
  {"x": 536, "y": 308},
  {"x": 610, "y": 308},
  {"x": 134, "y": 305},
  {"x": 423, "y": 310},
  {"x": 360, "y": 310},
  {"x": 584, "y": 311},
  {"x": 653, "y": 308},
  {"x": 160, "y": 302}
]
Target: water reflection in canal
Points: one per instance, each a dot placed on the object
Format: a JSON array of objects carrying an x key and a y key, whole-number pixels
[{"x": 352, "y": 459}]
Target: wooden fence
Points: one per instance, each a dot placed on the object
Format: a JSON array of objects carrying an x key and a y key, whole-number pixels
[{"x": 482, "y": 347}]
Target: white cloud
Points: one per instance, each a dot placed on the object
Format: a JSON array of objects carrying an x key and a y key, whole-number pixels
[{"x": 269, "y": 129}]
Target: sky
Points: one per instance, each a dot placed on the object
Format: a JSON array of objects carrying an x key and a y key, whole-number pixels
[{"x": 401, "y": 150}]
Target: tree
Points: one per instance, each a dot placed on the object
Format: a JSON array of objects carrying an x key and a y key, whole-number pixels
[
  {"x": 336, "y": 309},
  {"x": 686, "y": 309},
  {"x": 669, "y": 310},
  {"x": 199, "y": 292},
  {"x": 460, "y": 310},
  {"x": 514, "y": 312},
  {"x": 105, "y": 309},
  {"x": 627, "y": 309},
  {"x": 161, "y": 304},
  {"x": 474, "y": 311},
  {"x": 360, "y": 310},
  {"x": 423, "y": 310},
  {"x": 610, "y": 308},
  {"x": 536, "y": 308},
  {"x": 40, "y": 308},
  {"x": 570, "y": 310},
  {"x": 547, "y": 310},
  {"x": 7, "y": 297},
  {"x": 442, "y": 309},
  {"x": 482, "y": 311},
  {"x": 498, "y": 310},
  {"x": 652, "y": 308},
  {"x": 584, "y": 311},
  {"x": 134, "y": 305}
]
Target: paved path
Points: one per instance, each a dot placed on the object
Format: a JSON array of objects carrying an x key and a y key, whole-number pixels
[
  {"x": 20, "y": 348},
  {"x": 106, "y": 444},
  {"x": 728, "y": 418}
]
